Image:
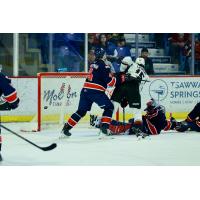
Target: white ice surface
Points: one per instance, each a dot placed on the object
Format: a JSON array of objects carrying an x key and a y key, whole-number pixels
[{"x": 84, "y": 148}]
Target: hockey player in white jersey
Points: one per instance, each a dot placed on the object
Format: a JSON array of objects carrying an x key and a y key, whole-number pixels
[{"x": 131, "y": 79}]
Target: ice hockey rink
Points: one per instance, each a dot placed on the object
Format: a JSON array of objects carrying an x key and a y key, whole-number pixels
[{"x": 84, "y": 148}]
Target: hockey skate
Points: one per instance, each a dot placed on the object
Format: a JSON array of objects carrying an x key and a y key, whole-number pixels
[
  {"x": 1, "y": 159},
  {"x": 94, "y": 121},
  {"x": 139, "y": 133},
  {"x": 137, "y": 130},
  {"x": 65, "y": 131},
  {"x": 104, "y": 132},
  {"x": 173, "y": 123}
]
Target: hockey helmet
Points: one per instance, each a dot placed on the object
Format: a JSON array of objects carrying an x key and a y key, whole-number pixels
[
  {"x": 99, "y": 53},
  {"x": 140, "y": 61},
  {"x": 127, "y": 61},
  {"x": 151, "y": 105}
]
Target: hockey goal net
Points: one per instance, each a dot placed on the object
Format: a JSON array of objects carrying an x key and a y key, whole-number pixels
[{"x": 58, "y": 99}]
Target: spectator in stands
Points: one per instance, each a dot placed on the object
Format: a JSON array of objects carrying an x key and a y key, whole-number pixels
[
  {"x": 102, "y": 41},
  {"x": 91, "y": 57},
  {"x": 187, "y": 55},
  {"x": 186, "y": 61},
  {"x": 122, "y": 50},
  {"x": 148, "y": 62},
  {"x": 111, "y": 48},
  {"x": 108, "y": 46},
  {"x": 176, "y": 46},
  {"x": 197, "y": 55},
  {"x": 91, "y": 42}
]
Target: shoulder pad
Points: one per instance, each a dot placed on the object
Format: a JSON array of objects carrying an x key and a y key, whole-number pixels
[
  {"x": 107, "y": 66},
  {"x": 94, "y": 66}
]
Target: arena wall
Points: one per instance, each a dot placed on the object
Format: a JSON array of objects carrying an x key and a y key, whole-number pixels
[{"x": 177, "y": 94}]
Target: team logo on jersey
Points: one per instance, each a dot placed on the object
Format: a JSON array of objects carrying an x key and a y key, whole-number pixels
[{"x": 158, "y": 89}]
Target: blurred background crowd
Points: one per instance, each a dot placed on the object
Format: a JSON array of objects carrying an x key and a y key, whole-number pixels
[{"x": 164, "y": 53}]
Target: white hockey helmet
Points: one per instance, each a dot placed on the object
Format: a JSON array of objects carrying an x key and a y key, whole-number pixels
[
  {"x": 140, "y": 61},
  {"x": 127, "y": 61}
]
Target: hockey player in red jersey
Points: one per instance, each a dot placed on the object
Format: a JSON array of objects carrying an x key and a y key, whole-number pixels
[
  {"x": 94, "y": 92},
  {"x": 8, "y": 98}
]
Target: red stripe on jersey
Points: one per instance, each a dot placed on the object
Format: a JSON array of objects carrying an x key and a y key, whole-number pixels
[
  {"x": 112, "y": 82},
  {"x": 189, "y": 119},
  {"x": 106, "y": 120},
  {"x": 118, "y": 129},
  {"x": 153, "y": 115},
  {"x": 72, "y": 122},
  {"x": 0, "y": 139},
  {"x": 12, "y": 97},
  {"x": 151, "y": 127},
  {"x": 198, "y": 123},
  {"x": 93, "y": 86},
  {"x": 113, "y": 128},
  {"x": 168, "y": 126}
]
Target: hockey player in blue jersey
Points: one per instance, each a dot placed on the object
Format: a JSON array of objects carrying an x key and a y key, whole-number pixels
[
  {"x": 154, "y": 121},
  {"x": 8, "y": 98},
  {"x": 93, "y": 91},
  {"x": 192, "y": 122}
]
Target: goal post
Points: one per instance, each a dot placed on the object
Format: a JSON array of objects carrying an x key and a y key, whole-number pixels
[{"x": 58, "y": 92}]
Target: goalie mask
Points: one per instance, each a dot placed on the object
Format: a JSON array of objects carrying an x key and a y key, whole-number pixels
[{"x": 153, "y": 106}]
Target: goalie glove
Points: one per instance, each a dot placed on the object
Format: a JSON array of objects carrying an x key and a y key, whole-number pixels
[{"x": 182, "y": 126}]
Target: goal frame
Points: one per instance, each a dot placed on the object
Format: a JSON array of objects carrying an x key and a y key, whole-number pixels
[{"x": 52, "y": 74}]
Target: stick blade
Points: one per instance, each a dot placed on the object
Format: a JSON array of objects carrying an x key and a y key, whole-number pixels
[{"x": 51, "y": 147}]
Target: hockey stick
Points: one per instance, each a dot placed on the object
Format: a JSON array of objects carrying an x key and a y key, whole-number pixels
[
  {"x": 48, "y": 148},
  {"x": 124, "y": 118}
]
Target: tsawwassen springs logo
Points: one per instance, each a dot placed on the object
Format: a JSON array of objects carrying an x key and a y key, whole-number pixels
[
  {"x": 56, "y": 97},
  {"x": 158, "y": 89}
]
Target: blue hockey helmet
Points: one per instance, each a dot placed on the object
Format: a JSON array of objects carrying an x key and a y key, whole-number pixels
[{"x": 99, "y": 53}]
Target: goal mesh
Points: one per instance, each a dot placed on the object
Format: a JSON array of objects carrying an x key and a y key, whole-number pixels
[{"x": 58, "y": 97}]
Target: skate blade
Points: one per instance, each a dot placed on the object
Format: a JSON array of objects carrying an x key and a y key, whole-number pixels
[
  {"x": 105, "y": 137},
  {"x": 62, "y": 137}
]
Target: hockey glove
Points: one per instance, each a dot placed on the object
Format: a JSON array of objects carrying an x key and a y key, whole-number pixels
[{"x": 182, "y": 126}]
